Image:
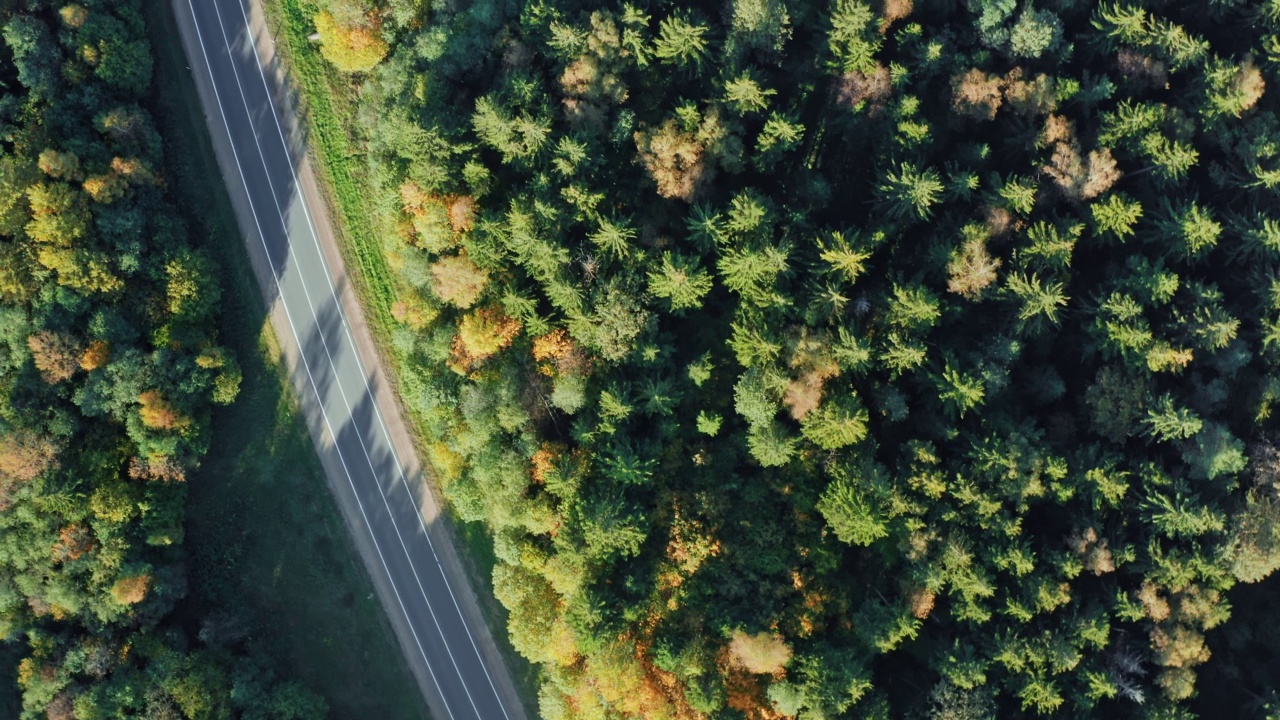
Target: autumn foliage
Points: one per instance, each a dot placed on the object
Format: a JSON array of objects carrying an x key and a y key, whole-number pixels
[
  {"x": 25, "y": 455},
  {"x": 110, "y": 362},
  {"x": 131, "y": 589},
  {"x": 458, "y": 280},
  {"x": 95, "y": 355},
  {"x": 762, "y": 653},
  {"x": 482, "y": 334},
  {"x": 158, "y": 413},
  {"x": 351, "y": 49},
  {"x": 56, "y": 355},
  {"x": 675, "y": 160}
]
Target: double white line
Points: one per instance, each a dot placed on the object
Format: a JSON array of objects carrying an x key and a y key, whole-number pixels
[{"x": 364, "y": 375}]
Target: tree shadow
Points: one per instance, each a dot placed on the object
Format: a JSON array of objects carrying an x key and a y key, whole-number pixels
[
  {"x": 254, "y": 106},
  {"x": 358, "y": 428},
  {"x": 381, "y": 499}
]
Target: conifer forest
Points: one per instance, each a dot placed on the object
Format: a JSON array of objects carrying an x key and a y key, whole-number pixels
[{"x": 846, "y": 359}]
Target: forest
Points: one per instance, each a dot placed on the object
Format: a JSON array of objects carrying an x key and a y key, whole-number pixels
[
  {"x": 844, "y": 359},
  {"x": 110, "y": 365}
]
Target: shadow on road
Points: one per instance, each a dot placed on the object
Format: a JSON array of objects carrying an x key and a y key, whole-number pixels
[
  {"x": 349, "y": 396},
  {"x": 381, "y": 501}
]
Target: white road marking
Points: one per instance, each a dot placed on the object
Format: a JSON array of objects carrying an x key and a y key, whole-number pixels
[
  {"x": 284, "y": 223},
  {"x": 307, "y": 365},
  {"x": 364, "y": 375}
]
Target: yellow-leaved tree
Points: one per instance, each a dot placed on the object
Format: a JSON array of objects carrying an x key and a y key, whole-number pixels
[{"x": 351, "y": 48}]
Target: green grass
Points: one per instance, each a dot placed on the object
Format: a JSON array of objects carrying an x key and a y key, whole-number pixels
[
  {"x": 263, "y": 531},
  {"x": 345, "y": 179},
  {"x": 328, "y": 105},
  {"x": 265, "y": 536}
]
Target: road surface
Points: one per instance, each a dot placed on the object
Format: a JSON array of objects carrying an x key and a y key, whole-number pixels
[{"x": 353, "y": 418}]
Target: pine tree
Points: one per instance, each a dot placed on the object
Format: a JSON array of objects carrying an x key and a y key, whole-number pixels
[
  {"x": 515, "y": 137},
  {"x": 845, "y": 262},
  {"x": 1190, "y": 230},
  {"x": 836, "y": 423},
  {"x": 745, "y": 94},
  {"x": 1171, "y": 159},
  {"x": 614, "y": 238},
  {"x": 752, "y": 273},
  {"x": 1041, "y": 302},
  {"x": 680, "y": 281},
  {"x": 958, "y": 391},
  {"x": 853, "y": 40},
  {"x": 1259, "y": 238},
  {"x": 753, "y": 343},
  {"x": 901, "y": 354},
  {"x": 913, "y": 308},
  {"x": 1051, "y": 246},
  {"x": 909, "y": 192},
  {"x": 1230, "y": 90},
  {"x": 780, "y": 134},
  {"x": 1122, "y": 23},
  {"x": 681, "y": 42},
  {"x": 850, "y": 514},
  {"x": 1182, "y": 516}
]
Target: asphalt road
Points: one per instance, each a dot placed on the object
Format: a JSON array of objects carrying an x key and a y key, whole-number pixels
[{"x": 393, "y": 516}]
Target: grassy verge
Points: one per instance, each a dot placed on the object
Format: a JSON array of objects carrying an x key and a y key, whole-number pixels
[
  {"x": 343, "y": 180},
  {"x": 263, "y": 531},
  {"x": 328, "y": 107}
]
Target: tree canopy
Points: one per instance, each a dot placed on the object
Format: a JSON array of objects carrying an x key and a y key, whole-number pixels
[
  {"x": 110, "y": 363},
  {"x": 847, "y": 358}
]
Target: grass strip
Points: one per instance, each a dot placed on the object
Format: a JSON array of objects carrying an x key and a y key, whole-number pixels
[{"x": 343, "y": 180}]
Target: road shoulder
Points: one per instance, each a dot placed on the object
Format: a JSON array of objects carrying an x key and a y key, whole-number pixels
[{"x": 428, "y": 503}]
